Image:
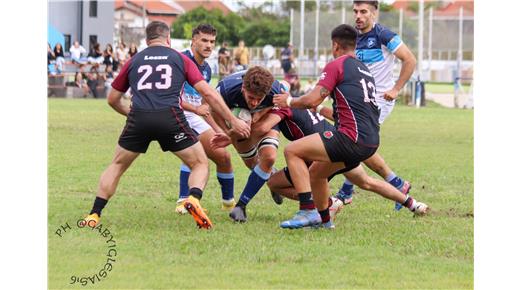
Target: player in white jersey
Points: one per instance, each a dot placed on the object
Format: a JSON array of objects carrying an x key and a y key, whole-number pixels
[
  {"x": 378, "y": 47},
  {"x": 199, "y": 118}
]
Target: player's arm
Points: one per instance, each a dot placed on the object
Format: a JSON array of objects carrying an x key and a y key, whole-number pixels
[
  {"x": 115, "y": 100},
  {"x": 265, "y": 125},
  {"x": 218, "y": 105},
  {"x": 325, "y": 112},
  {"x": 408, "y": 63},
  {"x": 310, "y": 100}
]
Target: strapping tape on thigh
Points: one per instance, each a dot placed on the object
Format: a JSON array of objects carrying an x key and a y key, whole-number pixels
[
  {"x": 249, "y": 154},
  {"x": 268, "y": 141}
]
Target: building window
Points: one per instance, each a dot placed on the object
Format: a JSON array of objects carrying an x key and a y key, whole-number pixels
[
  {"x": 66, "y": 47},
  {"x": 92, "y": 39},
  {"x": 92, "y": 8}
]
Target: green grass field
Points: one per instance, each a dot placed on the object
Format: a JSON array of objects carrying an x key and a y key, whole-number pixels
[{"x": 372, "y": 246}]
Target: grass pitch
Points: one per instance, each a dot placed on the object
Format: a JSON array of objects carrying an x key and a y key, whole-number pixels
[{"x": 372, "y": 246}]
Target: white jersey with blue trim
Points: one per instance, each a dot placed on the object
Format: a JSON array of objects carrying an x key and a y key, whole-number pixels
[
  {"x": 189, "y": 93},
  {"x": 376, "y": 50}
]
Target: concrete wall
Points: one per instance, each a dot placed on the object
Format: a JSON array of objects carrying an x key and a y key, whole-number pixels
[{"x": 102, "y": 25}]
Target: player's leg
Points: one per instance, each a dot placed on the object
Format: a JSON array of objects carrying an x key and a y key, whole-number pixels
[
  {"x": 225, "y": 175},
  {"x": 377, "y": 164},
  {"x": 309, "y": 148},
  {"x": 360, "y": 178},
  {"x": 267, "y": 150},
  {"x": 279, "y": 183},
  {"x": 108, "y": 182}
]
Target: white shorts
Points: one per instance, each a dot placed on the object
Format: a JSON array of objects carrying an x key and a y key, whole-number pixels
[
  {"x": 196, "y": 122},
  {"x": 385, "y": 107}
]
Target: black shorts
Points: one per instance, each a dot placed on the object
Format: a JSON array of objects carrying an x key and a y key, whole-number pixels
[
  {"x": 341, "y": 148},
  {"x": 168, "y": 127}
]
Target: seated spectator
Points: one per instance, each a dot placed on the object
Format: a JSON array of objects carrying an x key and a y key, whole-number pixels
[
  {"x": 77, "y": 53},
  {"x": 132, "y": 50},
  {"x": 121, "y": 54},
  {"x": 108, "y": 55},
  {"x": 294, "y": 80},
  {"x": 50, "y": 59},
  {"x": 224, "y": 61},
  {"x": 309, "y": 86},
  {"x": 80, "y": 80},
  {"x": 93, "y": 78},
  {"x": 60, "y": 57},
  {"x": 108, "y": 78},
  {"x": 95, "y": 55}
]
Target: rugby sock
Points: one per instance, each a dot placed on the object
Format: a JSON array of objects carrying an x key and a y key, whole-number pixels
[
  {"x": 325, "y": 215},
  {"x": 409, "y": 203},
  {"x": 256, "y": 180},
  {"x": 99, "y": 204},
  {"x": 306, "y": 201},
  {"x": 183, "y": 181},
  {"x": 346, "y": 190},
  {"x": 227, "y": 184},
  {"x": 196, "y": 192},
  {"x": 394, "y": 180}
]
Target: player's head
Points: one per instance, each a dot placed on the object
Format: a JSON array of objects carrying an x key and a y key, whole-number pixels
[
  {"x": 203, "y": 39},
  {"x": 157, "y": 32},
  {"x": 257, "y": 83},
  {"x": 365, "y": 13},
  {"x": 343, "y": 40}
]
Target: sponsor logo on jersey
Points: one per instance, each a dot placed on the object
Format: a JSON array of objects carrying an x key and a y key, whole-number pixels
[
  {"x": 328, "y": 134},
  {"x": 371, "y": 41},
  {"x": 155, "y": 57}
]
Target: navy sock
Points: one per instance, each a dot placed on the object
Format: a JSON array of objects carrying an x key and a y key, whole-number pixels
[
  {"x": 306, "y": 201},
  {"x": 196, "y": 192},
  {"x": 256, "y": 180},
  {"x": 408, "y": 202},
  {"x": 183, "y": 181},
  {"x": 346, "y": 190},
  {"x": 227, "y": 184},
  {"x": 99, "y": 204},
  {"x": 325, "y": 215},
  {"x": 394, "y": 180}
]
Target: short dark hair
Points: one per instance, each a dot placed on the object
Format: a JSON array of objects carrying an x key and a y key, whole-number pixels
[
  {"x": 373, "y": 3},
  {"x": 258, "y": 81},
  {"x": 157, "y": 29},
  {"x": 204, "y": 28},
  {"x": 345, "y": 35}
]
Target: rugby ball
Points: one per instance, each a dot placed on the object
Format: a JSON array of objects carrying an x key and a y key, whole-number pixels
[{"x": 242, "y": 114}]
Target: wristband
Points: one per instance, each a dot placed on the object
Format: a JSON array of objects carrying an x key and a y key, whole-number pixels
[
  {"x": 318, "y": 108},
  {"x": 288, "y": 101}
]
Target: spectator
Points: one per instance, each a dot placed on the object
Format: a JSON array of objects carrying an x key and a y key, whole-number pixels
[
  {"x": 132, "y": 50},
  {"x": 50, "y": 59},
  {"x": 60, "y": 57},
  {"x": 108, "y": 78},
  {"x": 287, "y": 58},
  {"x": 294, "y": 80},
  {"x": 108, "y": 55},
  {"x": 93, "y": 80},
  {"x": 308, "y": 86},
  {"x": 76, "y": 52},
  {"x": 95, "y": 55},
  {"x": 121, "y": 54},
  {"x": 224, "y": 61},
  {"x": 241, "y": 56},
  {"x": 80, "y": 80}
]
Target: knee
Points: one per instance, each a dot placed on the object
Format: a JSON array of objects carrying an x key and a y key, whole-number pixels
[
  {"x": 366, "y": 183},
  {"x": 222, "y": 158},
  {"x": 268, "y": 160}
]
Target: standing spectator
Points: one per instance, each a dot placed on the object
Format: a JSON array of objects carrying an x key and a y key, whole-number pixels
[
  {"x": 93, "y": 80},
  {"x": 95, "y": 55},
  {"x": 76, "y": 52},
  {"x": 108, "y": 55},
  {"x": 50, "y": 59},
  {"x": 241, "y": 56},
  {"x": 108, "y": 78},
  {"x": 80, "y": 80},
  {"x": 121, "y": 54},
  {"x": 132, "y": 50},
  {"x": 60, "y": 58},
  {"x": 287, "y": 58},
  {"x": 224, "y": 61}
]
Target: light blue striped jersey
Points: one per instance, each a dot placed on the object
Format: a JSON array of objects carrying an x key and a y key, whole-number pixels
[{"x": 376, "y": 50}]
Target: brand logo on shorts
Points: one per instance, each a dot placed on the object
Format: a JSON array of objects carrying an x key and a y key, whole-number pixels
[
  {"x": 327, "y": 134},
  {"x": 179, "y": 137}
]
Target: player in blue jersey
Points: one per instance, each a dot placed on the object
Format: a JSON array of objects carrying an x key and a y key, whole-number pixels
[
  {"x": 156, "y": 76},
  {"x": 198, "y": 116},
  {"x": 355, "y": 137},
  {"x": 378, "y": 47},
  {"x": 252, "y": 90}
]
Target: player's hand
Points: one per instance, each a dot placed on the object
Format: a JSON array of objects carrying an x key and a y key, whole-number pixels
[
  {"x": 280, "y": 100},
  {"x": 391, "y": 95},
  {"x": 241, "y": 128},
  {"x": 220, "y": 140},
  {"x": 203, "y": 110}
]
